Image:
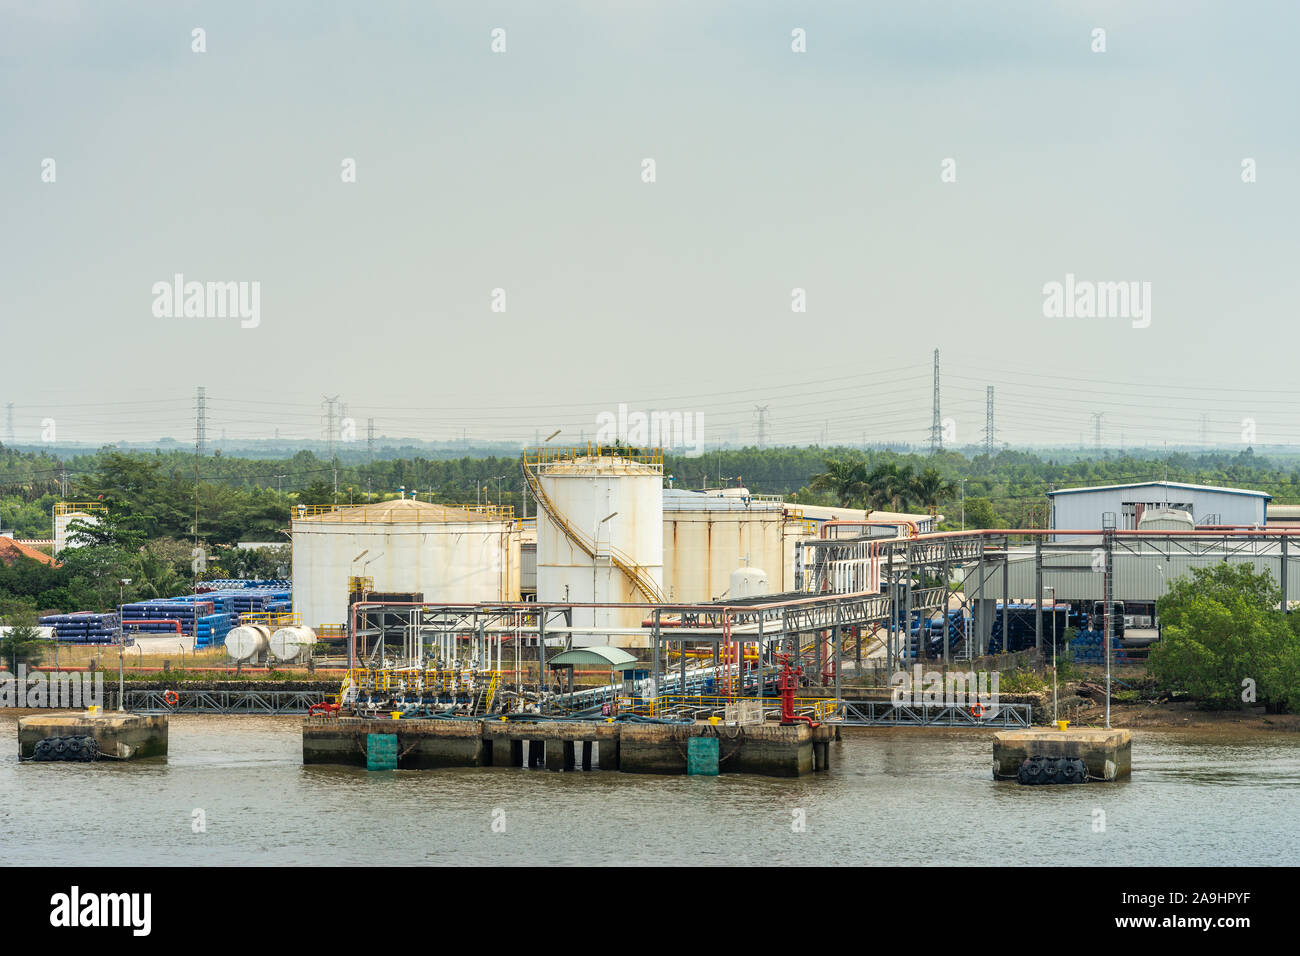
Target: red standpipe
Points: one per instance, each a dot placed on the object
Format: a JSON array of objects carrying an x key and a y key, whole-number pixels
[{"x": 786, "y": 682}]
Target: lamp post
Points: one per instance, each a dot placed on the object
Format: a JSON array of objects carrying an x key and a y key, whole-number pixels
[
  {"x": 1053, "y": 590},
  {"x": 121, "y": 648}
]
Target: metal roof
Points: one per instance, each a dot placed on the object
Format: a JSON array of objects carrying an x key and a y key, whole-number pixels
[
  {"x": 614, "y": 657},
  {"x": 1160, "y": 484}
]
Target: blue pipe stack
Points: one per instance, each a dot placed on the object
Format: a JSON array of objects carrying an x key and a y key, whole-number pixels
[
  {"x": 84, "y": 627},
  {"x": 1090, "y": 645},
  {"x": 157, "y": 616}
]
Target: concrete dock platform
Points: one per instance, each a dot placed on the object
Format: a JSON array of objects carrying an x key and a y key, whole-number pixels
[
  {"x": 1108, "y": 754},
  {"x": 120, "y": 735},
  {"x": 767, "y": 749}
]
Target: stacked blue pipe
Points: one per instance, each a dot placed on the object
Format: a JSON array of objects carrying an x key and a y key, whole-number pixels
[
  {"x": 1089, "y": 645},
  {"x": 84, "y": 628},
  {"x": 160, "y": 616},
  {"x": 212, "y": 630}
]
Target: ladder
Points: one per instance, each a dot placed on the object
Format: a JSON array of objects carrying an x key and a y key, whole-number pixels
[{"x": 634, "y": 572}]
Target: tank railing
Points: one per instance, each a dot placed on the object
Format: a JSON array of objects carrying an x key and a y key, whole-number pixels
[
  {"x": 62, "y": 508},
  {"x": 491, "y": 512},
  {"x": 650, "y": 457},
  {"x": 635, "y": 572},
  {"x": 271, "y": 618}
]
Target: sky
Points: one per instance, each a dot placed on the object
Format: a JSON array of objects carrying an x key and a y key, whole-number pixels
[{"x": 829, "y": 171}]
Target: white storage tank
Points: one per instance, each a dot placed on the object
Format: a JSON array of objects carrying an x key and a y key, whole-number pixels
[
  {"x": 600, "y": 538},
  {"x": 707, "y": 534},
  {"x": 68, "y": 512},
  {"x": 248, "y": 642},
  {"x": 747, "y": 582},
  {"x": 448, "y": 553},
  {"x": 292, "y": 642}
]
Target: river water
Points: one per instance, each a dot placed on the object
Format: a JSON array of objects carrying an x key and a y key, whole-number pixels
[{"x": 892, "y": 797}]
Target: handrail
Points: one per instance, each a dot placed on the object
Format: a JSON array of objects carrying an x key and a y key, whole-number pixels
[
  {"x": 623, "y": 562},
  {"x": 491, "y": 512}
]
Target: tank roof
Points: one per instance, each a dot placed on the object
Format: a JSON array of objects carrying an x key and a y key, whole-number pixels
[
  {"x": 599, "y": 465},
  {"x": 407, "y": 511},
  {"x": 676, "y": 499}
]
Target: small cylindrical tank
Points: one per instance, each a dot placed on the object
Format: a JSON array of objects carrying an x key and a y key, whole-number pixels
[
  {"x": 290, "y": 643},
  {"x": 747, "y": 582},
  {"x": 248, "y": 642}
]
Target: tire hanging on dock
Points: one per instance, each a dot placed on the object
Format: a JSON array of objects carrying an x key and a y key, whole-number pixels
[
  {"x": 73, "y": 749},
  {"x": 1038, "y": 770}
]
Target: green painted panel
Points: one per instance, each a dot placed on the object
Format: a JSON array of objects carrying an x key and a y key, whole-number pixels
[
  {"x": 702, "y": 756},
  {"x": 381, "y": 751}
]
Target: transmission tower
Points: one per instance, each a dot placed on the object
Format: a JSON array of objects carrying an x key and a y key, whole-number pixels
[
  {"x": 936, "y": 426},
  {"x": 201, "y": 422},
  {"x": 9, "y": 424},
  {"x": 988, "y": 421},
  {"x": 370, "y": 439},
  {"x": 331, "y": 422},
  {"x": 760, "y": 412},
  {"x": 1096, "y": 419}
]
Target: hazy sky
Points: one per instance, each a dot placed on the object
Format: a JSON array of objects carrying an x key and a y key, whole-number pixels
[{"x": 774, "y": 170}]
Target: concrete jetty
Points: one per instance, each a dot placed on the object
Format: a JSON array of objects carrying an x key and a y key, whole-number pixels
[
  {"x": 767, "y": 749},
  {"x": 1106, "y": 752},
  {"x": 120, "y": 735}
]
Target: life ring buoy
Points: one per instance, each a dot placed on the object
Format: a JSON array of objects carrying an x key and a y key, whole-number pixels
[
  {"x": 171, "y": 698},
  {"x": 977, "y": 710}
]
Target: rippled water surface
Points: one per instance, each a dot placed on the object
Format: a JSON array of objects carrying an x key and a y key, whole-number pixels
[{"x": 914, "y": 797}]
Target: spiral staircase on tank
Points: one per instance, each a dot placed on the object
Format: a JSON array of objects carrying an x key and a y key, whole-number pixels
[{"x": 637, "y": 574}]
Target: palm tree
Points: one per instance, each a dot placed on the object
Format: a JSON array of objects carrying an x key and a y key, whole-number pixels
[
  {"x": 846, "y": 478},
  {"x": 929, "y": 488},
  {"x": 890, "y": 486}
]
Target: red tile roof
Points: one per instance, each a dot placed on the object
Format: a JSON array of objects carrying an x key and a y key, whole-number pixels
[{"x": 11, "y": 551}]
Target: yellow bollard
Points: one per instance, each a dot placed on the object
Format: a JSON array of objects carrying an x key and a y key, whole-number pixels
[
  {"x": 1062, "y": 724},
  {"x": 397, "y": 714},
  {"x": 715, "y": 720},
  {"x": 92, "y": 710}
]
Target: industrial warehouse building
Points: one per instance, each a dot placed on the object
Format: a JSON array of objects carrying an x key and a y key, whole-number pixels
[
  {"x": 1066, "y": 568},
  {"x": 1122, "y": 506}
]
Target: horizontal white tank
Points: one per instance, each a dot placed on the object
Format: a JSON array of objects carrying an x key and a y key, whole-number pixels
[
  {"x": 1166, "y": 519},
  {"x": 248, "y": 642},
  {"x": 444, "y": 552},
  {"x": 290, "y": 643}
]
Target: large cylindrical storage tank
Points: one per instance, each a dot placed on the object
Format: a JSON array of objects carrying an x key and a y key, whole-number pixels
[
  {"x": 582, "y": 492},
  {"x": 292, "y": 642},
  {"x": 448, "y": 553},
  {"x": 707, "y": 535},
  {"x": 248, "y": 642}
]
